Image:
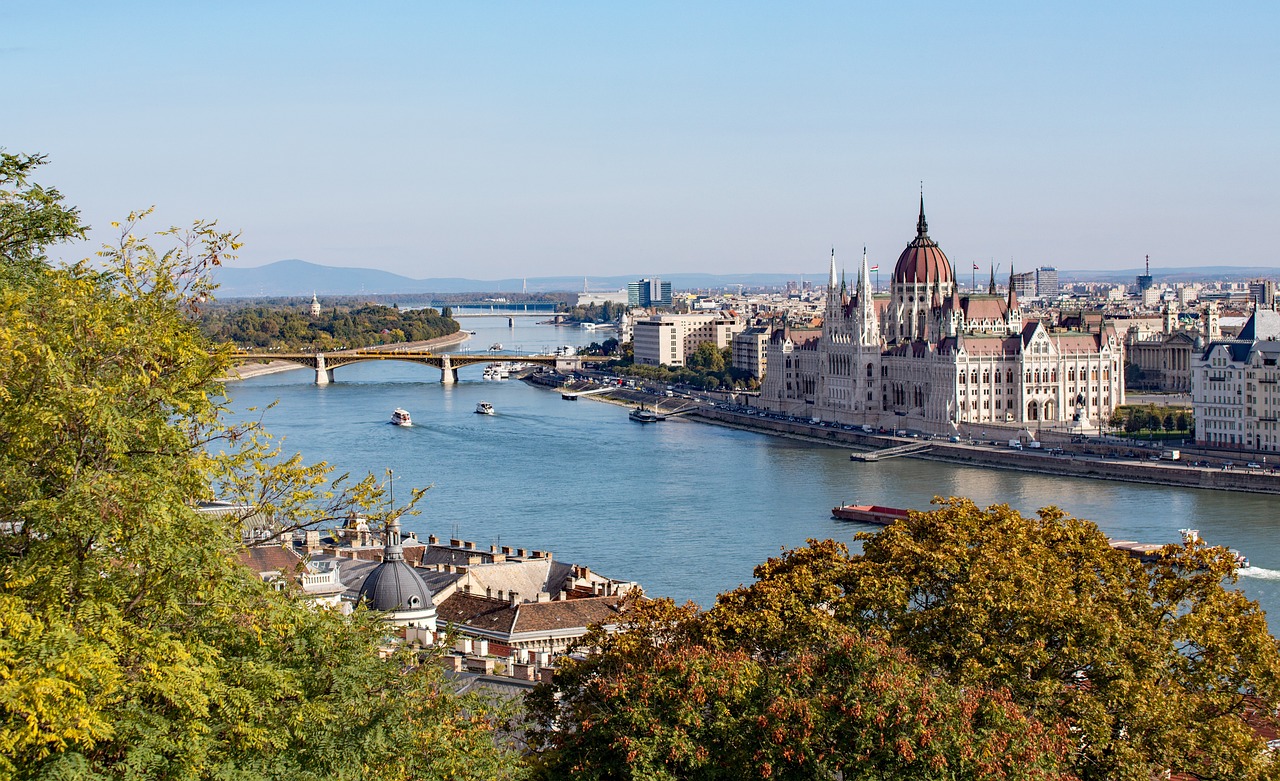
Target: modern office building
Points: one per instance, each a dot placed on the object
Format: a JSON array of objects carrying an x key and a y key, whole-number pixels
[
  {"x": 1047, "y": 286},
  {"x": 669, "y": 340},
  {"x": 649, "y": 293},
  {"x": 1024, "y": 284}
]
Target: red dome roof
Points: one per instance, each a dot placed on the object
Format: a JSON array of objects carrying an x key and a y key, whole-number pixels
[{"x": 922, "y": 261}]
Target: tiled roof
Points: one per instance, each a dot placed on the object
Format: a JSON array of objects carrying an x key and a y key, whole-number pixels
[
  {"x": 477, "y": 612},
  {"x": 984, "y": 307},
  {"x": 566, "y": 614},
  {"x": 526, "y": 578},
  {"x": 270, "y": 558}
]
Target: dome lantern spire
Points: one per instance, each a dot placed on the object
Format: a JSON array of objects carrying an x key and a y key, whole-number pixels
[{"x": 922, "y": 227}]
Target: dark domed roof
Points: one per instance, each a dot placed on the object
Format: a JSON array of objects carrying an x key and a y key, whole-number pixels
[
  {"x": 922, "y": 261},
  {"x": 395, "y": 586}
]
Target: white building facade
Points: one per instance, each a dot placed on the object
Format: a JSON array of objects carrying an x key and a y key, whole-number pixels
[
  {"x": 1235, "y": 388},
  {"x": 669, "y": 340}
]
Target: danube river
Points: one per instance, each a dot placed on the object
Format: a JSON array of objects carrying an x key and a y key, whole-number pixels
[{"x": 687, "y": 509}]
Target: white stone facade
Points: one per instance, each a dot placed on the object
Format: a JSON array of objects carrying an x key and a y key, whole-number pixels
[{"x": 923, "y": 357}]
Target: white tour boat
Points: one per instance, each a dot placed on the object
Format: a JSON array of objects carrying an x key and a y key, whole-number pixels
[
  {"x": 400, "y": 417},
  {"x": 484, "y": 408}
]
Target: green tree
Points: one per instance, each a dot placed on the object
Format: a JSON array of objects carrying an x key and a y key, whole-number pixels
[
  {"x": 32, "y": 217},
  {"x": 1182, "y": 422},
  {"x": 666, "y": 699},
  {"x": 706, "y": 358},
  {"x": 957, "y": 634},
  {"x": 132, "y": 645},
  {"x": 1149, "y": 665}
]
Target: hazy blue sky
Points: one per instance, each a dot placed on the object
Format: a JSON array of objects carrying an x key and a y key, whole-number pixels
[{"x": 492, "y": 139}]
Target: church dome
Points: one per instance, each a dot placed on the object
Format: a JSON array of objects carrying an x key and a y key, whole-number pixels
[
  {"x": 922, "y": 262},
  {"x": 394, "y": 586}
]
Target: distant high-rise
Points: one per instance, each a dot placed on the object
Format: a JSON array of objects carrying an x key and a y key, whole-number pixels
[
  {"x": 1047, "y": 282},
  {"x": 1024, "y": 284},
  {"x": 1145, "y": 281},
  {"x": 649, "y": 293},
  {"x": 1262, "y": 293}
]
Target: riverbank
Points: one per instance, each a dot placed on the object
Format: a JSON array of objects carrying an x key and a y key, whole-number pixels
[
  {"x": 1100, "y": 462},
  {"x": 246, "y": 370}
]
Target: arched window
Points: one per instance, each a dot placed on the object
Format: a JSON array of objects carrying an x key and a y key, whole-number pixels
[{"x": 1033, "y": 410}]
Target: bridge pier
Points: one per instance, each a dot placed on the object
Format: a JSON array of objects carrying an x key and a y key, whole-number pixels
[
  {"x": 323, "y": 376},
  {"x": 448, "y": 374}
]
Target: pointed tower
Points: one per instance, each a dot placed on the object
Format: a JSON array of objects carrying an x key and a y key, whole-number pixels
[
  {"x": 955, "y": 315},
  {"x": 1013, "y": 313},
  {"x": 991, "y": 286},
  {"x": 868, "y": 325}
]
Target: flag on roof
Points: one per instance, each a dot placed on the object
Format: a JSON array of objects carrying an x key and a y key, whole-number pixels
[
  {"x": 975, "y": 266},
  {"x": 876, "y": 267}
]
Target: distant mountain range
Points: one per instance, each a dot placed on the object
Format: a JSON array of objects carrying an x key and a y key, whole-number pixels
[{"x": 300, "y": 278}]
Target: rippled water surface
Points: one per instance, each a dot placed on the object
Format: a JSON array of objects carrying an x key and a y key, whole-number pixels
[{"x": 687, "y": 509}]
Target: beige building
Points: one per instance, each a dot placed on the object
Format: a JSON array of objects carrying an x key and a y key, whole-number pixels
[
  {"x": 750, "y": 349},
  {"x": 669, "y": 340},
  {"x": 927, "y": 358}
]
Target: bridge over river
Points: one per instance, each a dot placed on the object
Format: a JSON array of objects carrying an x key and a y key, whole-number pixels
[{"x": 447, "y": 363}]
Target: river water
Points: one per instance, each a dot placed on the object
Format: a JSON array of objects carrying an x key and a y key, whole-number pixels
[{"x": 684, "y": 508}]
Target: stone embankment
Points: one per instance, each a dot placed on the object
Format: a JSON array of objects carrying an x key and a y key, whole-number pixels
[
  {"x": 1077, "y": 462},
  {"x": 1101, "y": 461}
]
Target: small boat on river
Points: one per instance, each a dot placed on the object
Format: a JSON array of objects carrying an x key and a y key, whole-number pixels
[
  {"x": 869, "y": 513},
  {"x": 400, "y": 417},
  {"x": 484, "y": 408},
  {"x": 642, "y": 415}
]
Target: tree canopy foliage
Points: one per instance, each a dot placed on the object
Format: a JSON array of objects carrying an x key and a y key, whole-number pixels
[
  {"x": 340, "y": 327},
  {"x": 607, "y": 312},
  {"x": 961, "y": 643},
  {"x": 708, "y": 367},
  {"x": 132, "y": 645}
]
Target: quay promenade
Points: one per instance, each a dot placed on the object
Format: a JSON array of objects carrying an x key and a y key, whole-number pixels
[{"x": 1127, "y": 463}]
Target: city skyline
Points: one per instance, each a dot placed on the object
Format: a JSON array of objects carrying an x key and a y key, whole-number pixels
[{"x": 568, "y": 139}]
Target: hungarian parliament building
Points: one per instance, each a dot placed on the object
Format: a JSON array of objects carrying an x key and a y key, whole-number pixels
[{"x": 925, "y": 357}]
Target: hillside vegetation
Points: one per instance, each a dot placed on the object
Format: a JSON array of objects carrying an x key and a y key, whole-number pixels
[{"x": 336, "y": 328}]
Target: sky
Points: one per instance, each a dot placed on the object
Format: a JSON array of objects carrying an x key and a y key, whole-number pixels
[{"x": 490, "y": 140}]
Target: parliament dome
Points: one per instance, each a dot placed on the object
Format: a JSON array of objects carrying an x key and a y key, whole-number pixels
[{"x": 923, "y": 261}]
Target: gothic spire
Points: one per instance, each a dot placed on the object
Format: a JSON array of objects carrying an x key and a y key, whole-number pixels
[
  {"x": 991, "y": 287},
  {"x": 831, "y": 283},
  {"x": 922, "y": 227},
  {"x": 1013, "y": 296}
]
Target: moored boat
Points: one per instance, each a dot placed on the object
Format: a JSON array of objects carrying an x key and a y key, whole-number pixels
[
  {"x": 642, "y": 415},
  {"x": 400, "y": 417},
  {"x": 484, "y": 408},
  {"x": 869, "y": 513}
]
